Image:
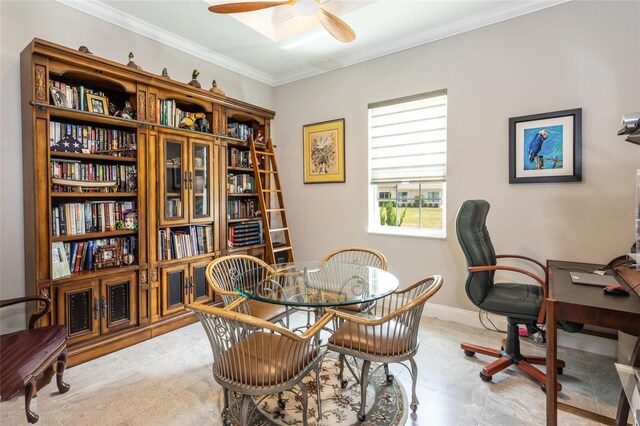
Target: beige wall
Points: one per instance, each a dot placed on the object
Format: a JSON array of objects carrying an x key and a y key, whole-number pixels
[
  {"x": 49, "y": 20},
  {"x": 577, "y": 55}
]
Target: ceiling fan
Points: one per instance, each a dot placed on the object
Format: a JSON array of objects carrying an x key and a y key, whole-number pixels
[{"x": 336, "y": 26}]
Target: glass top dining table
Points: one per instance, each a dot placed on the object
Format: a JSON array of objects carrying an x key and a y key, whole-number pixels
[{"x": 316, "y": 284}]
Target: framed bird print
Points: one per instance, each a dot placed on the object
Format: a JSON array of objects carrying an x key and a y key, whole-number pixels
[
  {"x": 324, "y": 152},
  {"x": 546, "y": 147}
]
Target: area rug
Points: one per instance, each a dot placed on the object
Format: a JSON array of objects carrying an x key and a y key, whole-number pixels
[{"x": 386, "y": 402}]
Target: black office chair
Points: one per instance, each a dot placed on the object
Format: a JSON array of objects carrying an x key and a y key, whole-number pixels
[{"x": 522, "y": 304}]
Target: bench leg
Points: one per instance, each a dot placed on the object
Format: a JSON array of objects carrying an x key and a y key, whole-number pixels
[
  {"x": 30, "y": 390},
  {"x": 60, "y": 367}
]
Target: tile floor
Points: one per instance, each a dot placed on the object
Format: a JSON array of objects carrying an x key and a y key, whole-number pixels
[{"x": 167, "y": 381}]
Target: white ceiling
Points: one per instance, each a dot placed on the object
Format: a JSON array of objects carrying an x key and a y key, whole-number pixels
[{"x": 252, "y": 49}]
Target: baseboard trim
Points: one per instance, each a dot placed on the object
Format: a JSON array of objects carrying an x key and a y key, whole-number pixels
[{"x": 579, "y": 341}]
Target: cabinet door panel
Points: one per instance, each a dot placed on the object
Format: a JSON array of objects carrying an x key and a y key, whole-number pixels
[
  {"x": 200, "y": 291},
  {"x": 201, "y": 180},
  {"x": 79, "y": 310},
  {"x": 174, "y": 289},
  {"x": 173, "y": 179},
  {"x": 118, "y": 302}
]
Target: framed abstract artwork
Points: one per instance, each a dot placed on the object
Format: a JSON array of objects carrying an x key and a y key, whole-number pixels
[
  {"x": 546, "y": 147},
  {"x": 324, "y": 152}
]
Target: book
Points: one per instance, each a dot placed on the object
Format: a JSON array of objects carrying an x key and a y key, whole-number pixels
[{"x": 59, "y": 261}]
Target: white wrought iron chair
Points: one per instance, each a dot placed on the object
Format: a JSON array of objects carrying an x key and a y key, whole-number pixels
[
  {"x": 388, "y": 335},
  {"x": 223, "y": 275},
  {"x": 254, "y": 357}
]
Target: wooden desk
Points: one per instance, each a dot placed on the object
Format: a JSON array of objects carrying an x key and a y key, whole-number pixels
[{"x": 588, "y": 305}]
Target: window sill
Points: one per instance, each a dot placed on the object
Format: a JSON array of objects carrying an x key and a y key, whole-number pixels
[{"x": 407, "y": 232}]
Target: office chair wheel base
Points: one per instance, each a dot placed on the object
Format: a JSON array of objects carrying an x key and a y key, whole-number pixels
[
  {"x": 389, "y": 378},
  {"x": 361, "y": 417},
  {"x": 469, "y": 353},
  {"x": 282, "y": 403},
  {"x": 485, "y": 378},
  {"x": 560, "y": 370},
  {"x": 414, "y": 407},
  {"x": 343, "y": 384}
]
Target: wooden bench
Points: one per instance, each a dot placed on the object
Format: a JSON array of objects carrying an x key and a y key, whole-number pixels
[{"x": 29, "y": 358}]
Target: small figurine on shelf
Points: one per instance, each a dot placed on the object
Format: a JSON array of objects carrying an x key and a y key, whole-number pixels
[
  {"x": 215, "y": 89},
  {"x": 259, "y": 139},
  {"x": 132, "y": 64},
  {"x": 84, "y": 49},
  {"x": 165, "y": 73},
  {"x": 202, "y": 124},
  {"x": 194, "y": 79},
  {"x": 187, "y": 122},
  {"x": 126, "y": 111}
]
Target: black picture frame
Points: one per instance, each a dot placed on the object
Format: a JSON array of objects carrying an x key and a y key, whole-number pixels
[{"x": 546, "y": 147}]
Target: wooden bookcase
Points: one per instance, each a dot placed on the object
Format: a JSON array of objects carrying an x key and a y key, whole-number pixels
[{"x": 89, "y": 174}]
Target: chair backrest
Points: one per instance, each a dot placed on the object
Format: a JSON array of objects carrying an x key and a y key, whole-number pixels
[
  {"x": 249, "y": 352},
  {"x": 359, "y": 256},
  {"x": 403, "y": 308},
  {"x": 473, "y": 236},
  {"x": 224, "y": 274}
]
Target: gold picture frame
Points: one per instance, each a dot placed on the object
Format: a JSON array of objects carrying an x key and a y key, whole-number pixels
[
  {"x": 97, "y": 104},
  {"x": 324, "y": 152}
]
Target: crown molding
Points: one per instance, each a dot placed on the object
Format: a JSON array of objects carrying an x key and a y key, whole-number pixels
[
  {"x": 128, "y": 22},
  {"x": 478, "y": 21},
  {"x": 131, "y": 23}
]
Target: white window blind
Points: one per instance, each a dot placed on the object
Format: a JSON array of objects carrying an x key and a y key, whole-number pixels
[{"x": 408, "y": 139}]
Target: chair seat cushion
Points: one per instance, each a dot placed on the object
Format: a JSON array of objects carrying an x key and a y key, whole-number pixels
[
  {"x": 23, "y": 353},
  {"x": 264, "y": 359},
  {"x": 388, "y": 339},
  {"x": 266, "y": 311},
  {"x": 522, "y": 301},
  {"x": 358, "y": 307}
]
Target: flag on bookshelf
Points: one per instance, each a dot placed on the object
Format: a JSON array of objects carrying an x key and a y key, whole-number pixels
[{"x": 67, "y": 144}]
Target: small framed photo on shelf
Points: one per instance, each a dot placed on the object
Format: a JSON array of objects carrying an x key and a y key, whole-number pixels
[
  {"x": 97, "y": 104},
  {"x": 546, "y": 147},
  {"x": 324, "y": 152},
  {"x": 58, "y": 98}
]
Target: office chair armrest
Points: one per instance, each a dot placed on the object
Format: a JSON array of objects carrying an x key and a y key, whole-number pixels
[
  {"x": 517, "y": 256},
  {"x": 542, "y": 283}
]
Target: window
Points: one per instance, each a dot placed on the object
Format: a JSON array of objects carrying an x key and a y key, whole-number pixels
[{"x": 408, "y": 164}]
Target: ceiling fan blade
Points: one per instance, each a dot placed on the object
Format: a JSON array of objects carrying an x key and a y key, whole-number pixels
[
  {"x": 247, "y": 6},
  {"x": 336, "y": 26}
]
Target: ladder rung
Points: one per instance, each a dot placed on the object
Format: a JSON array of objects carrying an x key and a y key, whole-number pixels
[
  {"x": 284, "y": 248},
  {"x": 273, "y": 210},
  {"x": 264, "y": 152},
  {"x": 267, "y": 171},
  {"x": 271, "y": 190},
  {"x": 278, "y": 229}
]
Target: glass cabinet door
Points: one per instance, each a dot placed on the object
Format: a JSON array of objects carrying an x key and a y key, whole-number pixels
[
  {"x": 174, "y": 179},
  {"x": 201, "y": 180}
]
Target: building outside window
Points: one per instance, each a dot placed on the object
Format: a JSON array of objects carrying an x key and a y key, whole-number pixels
[{"x": 407, "y": 165}]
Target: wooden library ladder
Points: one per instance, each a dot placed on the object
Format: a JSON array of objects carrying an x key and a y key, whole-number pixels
[{"x": 274, "y": 218}]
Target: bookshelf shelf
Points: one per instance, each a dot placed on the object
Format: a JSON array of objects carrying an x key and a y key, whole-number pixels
[
  {"x": 97, "y": 157},
  {"x": 88, "y": 275},
  {"x": 92, "y": 195},
  {"x": 94, "y": 235},
  {"x": 245, "y": 194}
]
